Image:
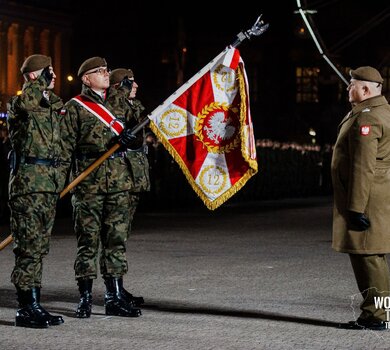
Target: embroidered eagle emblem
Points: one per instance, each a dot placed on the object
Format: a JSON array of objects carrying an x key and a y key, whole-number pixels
[
  {"x": 219, "y": 129},
  {"x": 365, "y": 130}
]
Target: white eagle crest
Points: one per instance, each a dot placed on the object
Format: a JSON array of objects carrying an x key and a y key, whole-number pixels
[{"x": 219, "y": 128}]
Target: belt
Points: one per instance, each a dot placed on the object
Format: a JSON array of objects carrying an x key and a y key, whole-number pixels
[
  {"x": 95, "y": 155},
  {"x": 54, "y": 162},
  {"x": 143, "y": 149}
]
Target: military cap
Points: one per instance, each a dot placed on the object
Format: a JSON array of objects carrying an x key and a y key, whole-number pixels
[
  {"x": 91, "y": 63},
  {"x": 366, "y": 73},
  {"x": 35, "y": 62},
  {"x": 118, "y": 74}
]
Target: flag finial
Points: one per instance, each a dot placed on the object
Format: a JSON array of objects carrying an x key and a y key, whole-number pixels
[{"x": 258, "y": 28}]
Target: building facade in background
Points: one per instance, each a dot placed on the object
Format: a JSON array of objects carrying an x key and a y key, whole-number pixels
[
  {"x": 294, "y": 94},
  {"x": 26, "y": 28}
]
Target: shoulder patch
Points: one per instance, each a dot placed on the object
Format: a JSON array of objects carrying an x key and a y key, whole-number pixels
[
  {"x": 365, "y": 130},
  {"x": 63, "y": 112}
]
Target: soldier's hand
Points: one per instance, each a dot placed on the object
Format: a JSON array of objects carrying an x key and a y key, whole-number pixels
[
  {"x": 129, "y": 140},
  {"x": 358, "y": 221},
  {"x": 127, "y": 83},
  {"x": 47, "y": 75}
]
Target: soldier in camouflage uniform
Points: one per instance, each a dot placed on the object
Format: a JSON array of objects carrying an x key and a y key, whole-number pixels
[
  {"x": 101, "y": 201},
  {"x": 137, "y": 158},
  {"x": 38, "y": 175}
]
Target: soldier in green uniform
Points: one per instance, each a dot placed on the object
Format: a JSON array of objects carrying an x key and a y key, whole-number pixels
[
  {"x": 361, "y": 181},
  {"x": 101, "y": 202},
  {"x": 38, "y": 175},
  {"x": 137, "y": 158}
]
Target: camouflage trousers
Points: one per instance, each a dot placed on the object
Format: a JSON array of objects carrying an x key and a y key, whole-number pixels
[
  {"x": 134, "y": 200},
  {"x": 101, "y": 220},
  {"x": 32, "y": 220}
]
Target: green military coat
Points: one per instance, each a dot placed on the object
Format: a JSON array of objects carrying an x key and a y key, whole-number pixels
[
  {"x": 361, "y": 177},
  {"x": 34, "y": 128}
]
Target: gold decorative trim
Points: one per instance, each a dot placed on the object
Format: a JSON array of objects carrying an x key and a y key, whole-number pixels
[
  {"x": 168, "y": 131},
  {"x": 223, "y": 72},
  {"x": 221, "y": 186},
  {"x": 253, "y": 167}
]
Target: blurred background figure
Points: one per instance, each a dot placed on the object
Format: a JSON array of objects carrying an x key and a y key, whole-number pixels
[{"x": 5, "y": 148}]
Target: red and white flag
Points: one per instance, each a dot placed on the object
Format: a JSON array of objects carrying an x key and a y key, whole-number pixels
[{"x": 206, "y": 126}]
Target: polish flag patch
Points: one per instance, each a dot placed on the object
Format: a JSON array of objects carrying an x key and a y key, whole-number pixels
[{"x": 365, "y": 130}]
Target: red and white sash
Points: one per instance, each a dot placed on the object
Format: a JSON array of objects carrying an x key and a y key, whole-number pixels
[{"x": 100, "y": 112}]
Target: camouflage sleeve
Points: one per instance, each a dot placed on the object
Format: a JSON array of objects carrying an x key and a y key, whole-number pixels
[
  {"x": 69, "y": 128},
  {"x": 121, "y": 91},
  {"x": 13, "y": 121},
  {"x": 137, "y": 108},
  {"x": 31, "y": 95}
]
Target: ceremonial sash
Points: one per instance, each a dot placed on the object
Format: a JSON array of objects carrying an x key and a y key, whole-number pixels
[{"x": 100, "y": 112}]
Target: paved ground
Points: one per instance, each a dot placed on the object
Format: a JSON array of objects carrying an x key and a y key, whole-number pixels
[{"x": 254, "y": 276}]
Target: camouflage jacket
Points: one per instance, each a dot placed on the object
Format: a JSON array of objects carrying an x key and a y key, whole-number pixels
[
  {"x": 34, "y": 129},
  {"x": 85, "y": 134},
  {"x": 139, "y": 160},
  {"x": 139, "y": 165},
  {"x": 137, "y": 108}
]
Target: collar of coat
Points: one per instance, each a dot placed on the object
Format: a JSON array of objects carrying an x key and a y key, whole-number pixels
[
  {"x": 370, "y": 102},
  {"x": 87, "y": 91}
]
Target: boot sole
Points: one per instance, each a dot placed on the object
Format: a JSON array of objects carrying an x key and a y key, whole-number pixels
[
  {"x": 29, "y": 325},
  {"x": 57, "y": 323},
  {"x": 132, "y": 314}
]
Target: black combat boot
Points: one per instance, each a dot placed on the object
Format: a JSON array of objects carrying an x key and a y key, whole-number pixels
[
  {"x": 130, "y": 298},
  {"x": 53, "y": 320},
  {"x": 29, "y": 313},
  {"x": 84, "y": 307},
  {"x": 115, "y": 304}
]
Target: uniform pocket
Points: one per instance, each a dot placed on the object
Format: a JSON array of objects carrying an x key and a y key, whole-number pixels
[{"x": 139, "y": 169}]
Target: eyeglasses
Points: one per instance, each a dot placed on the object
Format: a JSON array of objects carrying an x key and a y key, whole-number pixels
[{"x": 100, "y": 71}]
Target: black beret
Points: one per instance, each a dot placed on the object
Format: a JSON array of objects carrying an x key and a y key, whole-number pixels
[
  {"x": 34, "y": 63},
  {"x": 91, "y": 63},
  {"x": 366, "y": 73},
  {"x": 117, "y": 75}
]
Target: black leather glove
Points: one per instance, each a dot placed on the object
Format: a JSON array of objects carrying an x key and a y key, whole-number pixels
[
  {"x": 47, "y": 75},
  {"x": 127, "y": 83},
  {"x": 357, "y": 221},
  {"x": 128, "y": 140}
]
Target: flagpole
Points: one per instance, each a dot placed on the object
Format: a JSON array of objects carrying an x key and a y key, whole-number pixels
[
  {"x": 320, "y": 50},
  {"x": 258, "y": 28},
  {"x": 84, "y": 174},
  {"x": 188, "y": 125}
]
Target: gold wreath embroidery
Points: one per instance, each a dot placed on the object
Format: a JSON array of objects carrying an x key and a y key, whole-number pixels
[
  {"x": 222, "y": 73},
  {"x": 212, "y": 180},
  {"x": 200, "y": 124},
  {"x": 167, "y": 129}
]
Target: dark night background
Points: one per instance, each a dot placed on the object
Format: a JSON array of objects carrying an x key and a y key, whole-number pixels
[{"x": 148, "y": 37}]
